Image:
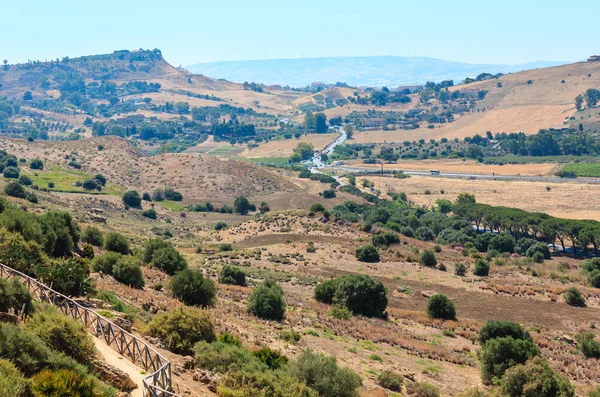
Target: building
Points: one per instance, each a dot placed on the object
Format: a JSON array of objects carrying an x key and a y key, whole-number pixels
[{"x": 594, "y": 58}]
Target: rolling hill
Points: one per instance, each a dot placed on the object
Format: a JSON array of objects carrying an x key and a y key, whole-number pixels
[{"x": 375, "y": 71}]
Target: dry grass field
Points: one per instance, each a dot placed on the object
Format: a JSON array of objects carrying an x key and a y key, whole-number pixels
[
  {"x": 285, "y": 147},
  {"x": 465, "y": 167},
  {"x": 566, "y": 200}
]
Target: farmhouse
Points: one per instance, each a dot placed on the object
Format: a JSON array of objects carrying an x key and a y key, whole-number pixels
[{"x": 594, "y": 58}]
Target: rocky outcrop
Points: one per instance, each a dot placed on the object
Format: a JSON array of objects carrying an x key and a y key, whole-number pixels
[
  {"x": 113, "y": 376},
  {"x": 210, "y": 379}
]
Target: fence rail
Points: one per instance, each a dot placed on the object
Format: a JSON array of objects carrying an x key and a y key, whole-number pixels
[{"x": 157, "y": 384}]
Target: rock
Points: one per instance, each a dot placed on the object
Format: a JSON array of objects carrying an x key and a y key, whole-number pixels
[
  {"x": 428, "y": 294},
  {"x": 210, "y": 379},
  {"x": 97, "y": 218},
  {"x": 113, "y": 376},
  {"x": 123, "y": 323},
  {"x": 94, "y": 304},
  {"x": 150, "y": 307}
]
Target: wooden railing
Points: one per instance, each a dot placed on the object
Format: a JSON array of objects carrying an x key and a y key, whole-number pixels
[{"x": 157, "y": 384}]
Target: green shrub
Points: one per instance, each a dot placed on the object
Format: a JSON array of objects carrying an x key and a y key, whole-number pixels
[
  {"x": 290, "y": 336},
  {"x": 325, "y": 291},
  {"x": 93, "y": 235},
  {"x": 535, "y": 379},
  {"x": 106, "y": 262},
  {"x": 322, "y": 374},
  {"x": 36, "y": 164},
  {"x": 482, "y": 268},
  {"x": 499, "y": 354},
  {"x": 362, "y": 295},
  {"x": 595, "y": 393},
  {"x": 460, "y": 269},
  {"x": 272, "y": 358},
  {"x": 127, "y": 270},
  {"x": 153, "y": 245},
  {"x": 222, "y": 357},
  {"x": 232, "y": 275},
  {"x": 390, "y": 380},
  {"x": 15, "y": 296},
  {"x": 317, "y": 208},
  {"x": 181, "y": 329},
  {"x": 422, "y": 389},
  {"x": 132, "y": 198},
  {"x": 12, "y": 382},
  {"x": 427, "y": 258},
  {"x": 68, "y": 276},
  {"x": 50, "y": 185},
  {"x": 221, "y": 225},
  {"x": 192, "y": 288},
  {"x": 573, "y": 297},
  {"x": 367, "y": 253},
  {"x": 116, "y": 242},
  {"x": 18, "y": 253},
  {"x": 14, "y": 189},
  {"x": 62, "y": 333},
  {"x": 61, "y": 233},
  {"x": 329, "y": 193},
  {"x": 25, "y": 180},
  {"x": 493, "y": 329},
  {"x": 169, "y": 260},
  {"x": 439, "y": 306},
  {"x": 88, "y": 251},
  {"x": 541, "y": 248},
  {"x": 62, "y": 383},
  {"x": 11, "y": 172},
  {"x": 225, "y": 247},
  {"x": 91, "y": 184},
  {"x": 385, "y": 239},
  {"x": 241, "y": 205},
  {"x": 254, "y": 381},
  {"x": 341, "y": 313},
  {"x": 267, "y": 301},
  {"x": 588, "y": 344},
  {"x": 150, "y": 213}
]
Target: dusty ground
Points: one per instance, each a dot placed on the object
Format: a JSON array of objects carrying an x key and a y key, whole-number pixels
[
  {"x": 285, "y": 147},
  {"x": 566, "y": 200}
]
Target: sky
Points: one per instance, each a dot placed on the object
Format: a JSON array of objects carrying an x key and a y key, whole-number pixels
[{"x": 187, "y": 32}]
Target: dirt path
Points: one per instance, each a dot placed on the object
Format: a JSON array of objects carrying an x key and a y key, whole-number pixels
[{"x": 116, "y": 360}]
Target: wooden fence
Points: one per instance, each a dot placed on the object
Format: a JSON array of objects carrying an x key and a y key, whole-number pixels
[{"x": 157, "y": 384}]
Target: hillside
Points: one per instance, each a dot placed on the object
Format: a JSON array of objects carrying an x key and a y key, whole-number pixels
[{"x": 372, "y": 71}]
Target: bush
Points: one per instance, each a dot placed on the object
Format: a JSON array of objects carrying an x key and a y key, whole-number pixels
[
  {"x": 146, "y": 196},
  {"x": 172, "y": 195},
  {"x": 329, "y": 193},
  {"x": 68, "y": 276},
  {"x": 588, "y": 344},
  {"x": 132, "y": 198},
  {"x": 221, "y": 225},
  {"x": 422, "y": 389},
  {"x": 25, "y": 180},
  {"x": 105, "y": 263},
  {"x": 101, "y": 179},
  {"x": 460, "y": 269},
  {"x": 428, "y": 258},
  {"x": 322, "y": 373},
  {"x": 11, "y": 172},
  {"x": 36, "y": 164},
  {"x": 92, "y": 235},
  {"x": 232, "y": 275},
  {"x": 367, "y": 253},
  {"x": 325, "y": 291},
  {"x": 222, "y": 357},
  {"x": 541, "y": 248},
  {"x": 12, "y": 382},
  {"x": 502, "y": 243},
  {"x": 290, "y": 336},
  {"x": 225, "y": 247},
  {"x": 390, "y": 380},
  {"x": 499, "y": 354},
  {"x": 50, "y": 185},
  {"x": 29, "y": 252},
  {"x": 62, "y": 333},
  {"x": 535, "y": 379},
  {"x": 150, "y": 213},
  {"x": 241, "y": 205},
  {"x": 153, "y": 245},
  {"x": 493, "y": 329},
  {"x": 181, "y": 329},
  {"x": 267, "y": 301},
  {"x": 88, "y": 251},
  {"x": 91, "y": 184},
  {"x": 362, "y": 295},
  {"x": 385, "y": 239},
  {"x": 439, "y": 306},
  {"x": 169, "y": 260},
  {"x": 482, "y": 268},
  {"x": 341, "y": 313},
  {"x": 63, "y": 383},
  {"x": 317, "y": 208},
  {"x": 573, "y": 297},
  {"x": 272, "y": 358},
  {"x": 14, "y": 189},
  {"x": 595, "y": 393},
  {"x": 15, "y": 296},
  {"x": 61, "y": 233},
  {"x": 128, "y": 271},
  {"x": 192, "y": 288},
  {"x": 116, "y": 242}
]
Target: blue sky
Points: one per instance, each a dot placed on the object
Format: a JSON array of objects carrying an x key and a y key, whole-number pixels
[{"x": 187, "y": 32}]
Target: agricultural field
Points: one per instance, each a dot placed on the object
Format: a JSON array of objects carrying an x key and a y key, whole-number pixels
[{"x": 583, "y": 169}]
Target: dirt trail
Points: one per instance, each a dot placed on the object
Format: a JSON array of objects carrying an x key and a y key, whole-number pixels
[{"x": 116, "y": 360}]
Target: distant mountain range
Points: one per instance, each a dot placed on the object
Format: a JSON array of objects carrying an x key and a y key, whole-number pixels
[{"x": 372, "y": 71}]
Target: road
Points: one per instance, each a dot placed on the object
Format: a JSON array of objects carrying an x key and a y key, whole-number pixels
[{"x": 315, "y": 164}]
